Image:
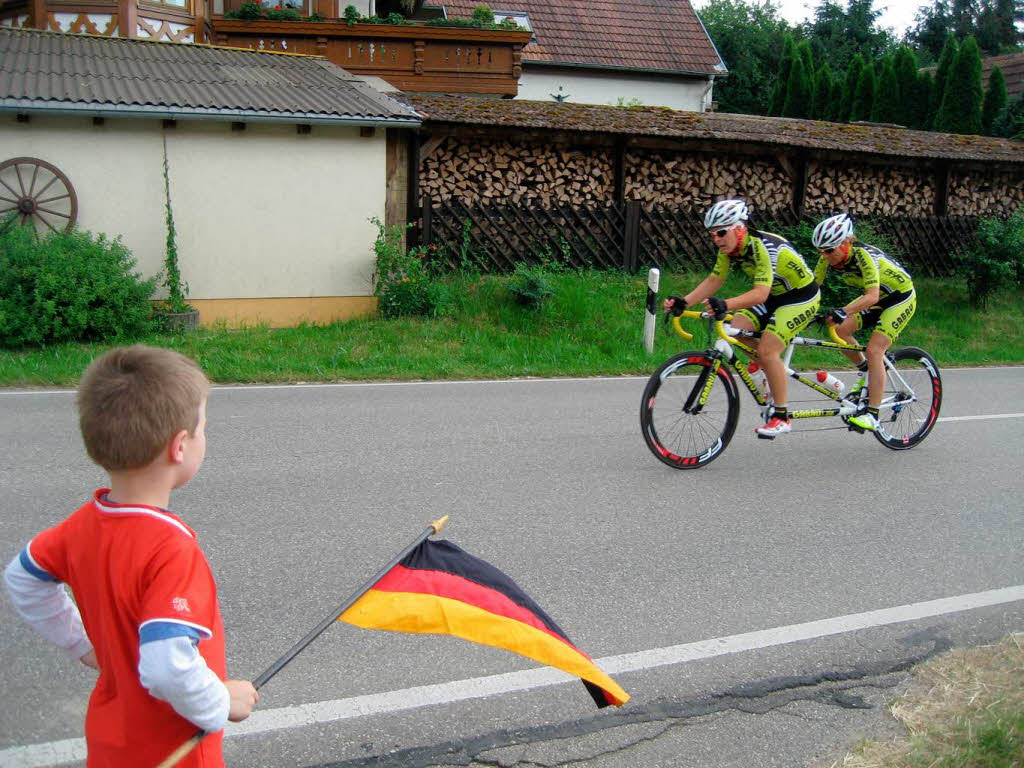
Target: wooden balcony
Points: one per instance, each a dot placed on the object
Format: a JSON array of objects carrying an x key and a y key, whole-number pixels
[{"x": 412, "y": 57}]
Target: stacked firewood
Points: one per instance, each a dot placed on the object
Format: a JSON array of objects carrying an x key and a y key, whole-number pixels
[
  {"x": 977, "y": 193},
  {"x": 870, "y": 190},
  {"x": 693, "y": 180},
  {"x": 504, "y": 172}
]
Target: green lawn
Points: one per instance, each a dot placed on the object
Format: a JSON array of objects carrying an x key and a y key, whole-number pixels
[{"x": 592, "y": 326}]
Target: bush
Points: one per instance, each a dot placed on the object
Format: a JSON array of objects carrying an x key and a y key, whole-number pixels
[
  {"x": 69, "y": 286},
  {"x": 483, "y": 16},
  {"x": 530, "y": 285},
  {"x": 351, "y": 14},
  {"x": 995, "y": 261},
  {"x": 402, "y": 281}
]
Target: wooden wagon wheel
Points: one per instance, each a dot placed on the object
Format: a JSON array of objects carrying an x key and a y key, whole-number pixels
[{"x": 38, "y": 192}]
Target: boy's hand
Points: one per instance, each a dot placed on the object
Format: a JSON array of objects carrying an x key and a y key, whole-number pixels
[
  {"x": 243, "y": 699},
  {"x": 89, "y": 660}
]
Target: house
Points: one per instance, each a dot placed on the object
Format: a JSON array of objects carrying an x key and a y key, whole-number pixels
[
  {"x": 1012, "y": 67},
  {"x": 617, "y": 52},
  {"x": 276, "y": 164}
]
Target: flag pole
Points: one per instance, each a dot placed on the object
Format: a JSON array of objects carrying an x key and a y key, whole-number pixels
[{"x": 432, "y": 529}]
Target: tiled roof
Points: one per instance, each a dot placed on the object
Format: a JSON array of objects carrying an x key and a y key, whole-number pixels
[
  {"x": 1012, "y": 67},
  {"x": 42, "y": 71},
  {"x": 711, "y": 126},
  {"x": 663, "y": 35}
]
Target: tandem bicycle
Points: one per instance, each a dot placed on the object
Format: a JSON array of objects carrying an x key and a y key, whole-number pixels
[{"x": 691, "y": 403}]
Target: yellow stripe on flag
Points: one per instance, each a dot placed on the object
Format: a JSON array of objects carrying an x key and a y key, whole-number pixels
[{"x": 430, "y": 614}]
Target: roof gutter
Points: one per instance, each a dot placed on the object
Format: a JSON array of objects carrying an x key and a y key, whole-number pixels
[
  {"x": 621, "y": 68},
  {"x": 95, "y": 109}
]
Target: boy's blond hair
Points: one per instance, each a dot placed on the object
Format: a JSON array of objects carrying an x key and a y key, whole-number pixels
[{"x": 133, "y": 400}]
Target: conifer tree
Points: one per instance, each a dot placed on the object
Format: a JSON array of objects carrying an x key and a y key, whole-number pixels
[
  {"x": 864, "y": 98},
  {"x": 905, "y": 64},
  {"x": 835, "y": 100},
  {"x": 853, "y": 73},
  {"x": 887, "y": 104},
  {"x": 923, "y": 101},
  {"x": 946, "y": 58},
  {"x": 798, "y": 91},
  {"x": 785, "y": 67},
  {"x": 995, "y": 100},
  {"x": 960, "y": 111},
  {"x": 822, "y": 97}
]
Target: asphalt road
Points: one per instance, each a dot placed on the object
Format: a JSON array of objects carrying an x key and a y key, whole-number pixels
[{"x": 306, "y": 491}]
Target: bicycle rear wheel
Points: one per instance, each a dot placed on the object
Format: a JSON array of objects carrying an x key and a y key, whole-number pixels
[
  {"x": 915, "y": 389},
  {"x": 681, "y": 434}
]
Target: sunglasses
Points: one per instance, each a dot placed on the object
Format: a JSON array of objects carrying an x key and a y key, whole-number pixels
[{"x": 719, "y": 233}]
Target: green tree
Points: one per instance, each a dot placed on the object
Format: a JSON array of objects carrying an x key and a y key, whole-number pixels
[
  {"x": 835, "y": 100},
  {"x": 846, "y": 29},
  {"x": 960, "y": 111},
  {"x": 782, "y": 82},
  {"x": 932, "y": 26},
  {"x": 905, "y": 66},
  {"x": 995, "y": 100},
  {"x": 821, "y": 99},
  {"x": 888, "y": 100},
  {"x": 853, "y": 74},
  {"x": 748, "y": 35},
  {"x": 799, "y": 91},
  {"x": 1010, "y": 122},
  {"x": 964, "y": 15},
  {"x": 864, "y": 97},
  {"x": 923, "y": 99},
  {"x": 949, "y": 53}
]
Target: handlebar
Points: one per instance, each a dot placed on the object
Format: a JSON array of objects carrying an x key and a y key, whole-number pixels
[{"x": 677, "y": 325}]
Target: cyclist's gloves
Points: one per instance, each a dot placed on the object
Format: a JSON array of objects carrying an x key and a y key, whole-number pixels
[
  {"x": 678, "y": 307},
  {"x": 718, "y": 307},
  {"x": 836, "y": 315}
]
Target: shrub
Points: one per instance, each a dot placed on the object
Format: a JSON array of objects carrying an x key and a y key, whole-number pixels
[
  {"x": 483, "y": 16},
  {"x": 530, "y": 285},
  {"x": 351, "y": 14},
  {"x": 402, "y": 281},
  {"x": 995, "y": 260},
  {"x": 248, "y": 10},
  {"x": 69, "y": 286}
]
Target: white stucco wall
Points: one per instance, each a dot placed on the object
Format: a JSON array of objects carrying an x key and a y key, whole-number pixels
[
  {"x": 589, "y": 87},
  {"x": 264, "y": 212}
]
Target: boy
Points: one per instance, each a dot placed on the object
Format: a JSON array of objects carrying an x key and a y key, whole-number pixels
[{"x": 147, "y": 615}]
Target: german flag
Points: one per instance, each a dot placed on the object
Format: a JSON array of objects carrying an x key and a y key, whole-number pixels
[{"x": 440, "y": 589}]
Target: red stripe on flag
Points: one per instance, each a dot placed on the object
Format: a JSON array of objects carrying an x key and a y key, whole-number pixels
[{"x": 444, "y": 584}]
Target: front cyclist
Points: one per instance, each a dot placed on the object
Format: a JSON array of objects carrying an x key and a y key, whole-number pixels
[
  {"x": 783, "y": 300},
  {"x": 886, "y": 306}
]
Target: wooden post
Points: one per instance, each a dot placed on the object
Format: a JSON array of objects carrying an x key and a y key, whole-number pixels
[
  {"x": 943, "y": 170},
  {"x": 39, "y": 18},
  {"x": 620, "y": 169},
  {"x": 127, "y": 19},
  {"x": 631, "y": 248},
  {"x": 413, "y": 184},
  {"x": 800, "y": 185},
  {"x": 425, "y": 230}
]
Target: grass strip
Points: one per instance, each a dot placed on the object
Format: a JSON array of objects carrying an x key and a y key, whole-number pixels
[
  {"x": 964, "y": 708},
  {"x": 591, "y": 326}
]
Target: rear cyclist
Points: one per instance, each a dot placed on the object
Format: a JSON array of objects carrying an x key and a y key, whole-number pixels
[
  {"x": 783, "y": 300},
  {"x": 886, "y": 306}
]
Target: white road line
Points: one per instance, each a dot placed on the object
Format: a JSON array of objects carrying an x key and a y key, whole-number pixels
[
  {"x": 521, "y": 380},
  {"x": 988, "y": 416},
  {"x": 56, "y": 752}
]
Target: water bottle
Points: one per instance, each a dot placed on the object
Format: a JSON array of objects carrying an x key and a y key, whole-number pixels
[
  {"x": 759, "y": 378},
  {"x": 829, "y": 381}
]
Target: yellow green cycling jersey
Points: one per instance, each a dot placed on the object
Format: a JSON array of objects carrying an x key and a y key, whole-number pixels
[
  {"x": 867, "y": 267},
  {"x": 770, "y": 260}
]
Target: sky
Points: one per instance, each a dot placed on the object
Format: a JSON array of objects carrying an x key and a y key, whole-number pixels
[{"x": 898, "y": 14}]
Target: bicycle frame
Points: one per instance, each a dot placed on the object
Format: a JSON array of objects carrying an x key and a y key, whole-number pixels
[{"x": 728, "y": 341}]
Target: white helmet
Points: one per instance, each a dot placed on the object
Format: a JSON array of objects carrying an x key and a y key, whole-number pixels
[
  {"x": 832, "y": 231},
  {"x": 725, "y": 213}
]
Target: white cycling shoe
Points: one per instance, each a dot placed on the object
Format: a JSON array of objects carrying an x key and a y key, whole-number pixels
[{"x": 774, "y": 428}]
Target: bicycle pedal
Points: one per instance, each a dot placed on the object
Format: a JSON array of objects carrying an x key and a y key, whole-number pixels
[
  {"x": 858, "y": 430},
  {"x": 765, "y": 437}
]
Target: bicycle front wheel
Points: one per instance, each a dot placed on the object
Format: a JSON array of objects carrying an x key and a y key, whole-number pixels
[
  {"x": 913, "y": 396},
  {"x": 682, "y": 433}
]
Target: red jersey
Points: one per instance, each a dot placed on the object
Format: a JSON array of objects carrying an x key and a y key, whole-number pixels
[{"x": 128, "y": 565}]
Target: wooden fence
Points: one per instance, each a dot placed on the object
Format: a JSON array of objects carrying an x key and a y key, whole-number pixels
[{"x": 495, "y": 236}]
